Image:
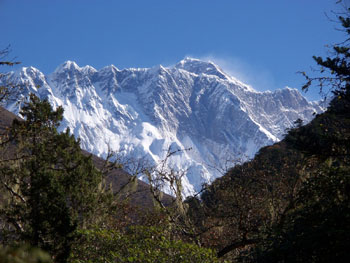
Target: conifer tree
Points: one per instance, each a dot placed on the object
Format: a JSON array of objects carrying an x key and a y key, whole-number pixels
[{"x": 50, "y": 188}]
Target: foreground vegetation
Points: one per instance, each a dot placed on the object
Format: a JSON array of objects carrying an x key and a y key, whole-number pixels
[{"x": 291, "y": 203}]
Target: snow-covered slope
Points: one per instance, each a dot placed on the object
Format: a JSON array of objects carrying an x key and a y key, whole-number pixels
[{"x": 141, "y": 112}]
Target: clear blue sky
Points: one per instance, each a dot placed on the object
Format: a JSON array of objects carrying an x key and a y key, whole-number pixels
[{"x": 264, "y": 43}]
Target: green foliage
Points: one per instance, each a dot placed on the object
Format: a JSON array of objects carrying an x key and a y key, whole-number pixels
[
  {"x": 327, "y": 136},
  {"x": 23, "y": 254},
  {"x": 137, "y": 244},
  {"x": 50, "y": 187}
]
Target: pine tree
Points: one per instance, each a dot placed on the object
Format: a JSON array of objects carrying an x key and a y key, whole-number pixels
[{"x": 50, "y": 188}]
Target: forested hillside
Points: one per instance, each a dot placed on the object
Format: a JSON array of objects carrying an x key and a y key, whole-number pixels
[{"x": 291, "y": 202}]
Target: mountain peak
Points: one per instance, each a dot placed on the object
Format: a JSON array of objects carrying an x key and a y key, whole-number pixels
[
  {"x": 198, "y": 67},
  {"x": 88, "y": 69},
  {"x": 157, "y": 69},
  {"x": 190, "y": 60},
  {"x": 194, "y": 62},
  {"x": 67, "y": 65},
  {"x": 30, "y": 69}
]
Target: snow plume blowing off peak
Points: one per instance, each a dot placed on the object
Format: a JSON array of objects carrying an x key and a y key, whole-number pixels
[{"x": 141, "y": 113}]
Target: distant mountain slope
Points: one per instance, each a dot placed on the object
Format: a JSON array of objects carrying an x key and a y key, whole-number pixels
[{"x": 142, "y": 112}]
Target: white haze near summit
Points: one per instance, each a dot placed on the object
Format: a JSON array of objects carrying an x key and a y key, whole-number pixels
[{"x": 259, "y": 79}]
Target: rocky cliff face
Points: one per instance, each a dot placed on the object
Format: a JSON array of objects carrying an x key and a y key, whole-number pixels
[{"x": 144, "y": 112}]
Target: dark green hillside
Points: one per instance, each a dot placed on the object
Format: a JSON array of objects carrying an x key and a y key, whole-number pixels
[{"x": 291, "y": 203}]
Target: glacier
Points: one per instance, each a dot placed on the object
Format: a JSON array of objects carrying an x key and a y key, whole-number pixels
[{"x": 143, "y": 112}]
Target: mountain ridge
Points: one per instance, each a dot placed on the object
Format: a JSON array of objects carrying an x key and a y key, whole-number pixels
[{"x": 142, "y": 112}]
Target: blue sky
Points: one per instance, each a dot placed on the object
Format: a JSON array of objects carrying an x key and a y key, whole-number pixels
[{"x": 263, "y": 43}]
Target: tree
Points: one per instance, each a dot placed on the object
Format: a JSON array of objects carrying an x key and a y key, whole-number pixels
[
  {"x": 335, "y": 69},
  {"x": 50, "y": 188},
  {"x": 249, "y": 198},
  {"x": 176, "y": 210}
]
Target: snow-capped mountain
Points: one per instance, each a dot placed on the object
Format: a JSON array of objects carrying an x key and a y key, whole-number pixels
[{"x": 142, "y": 112}]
